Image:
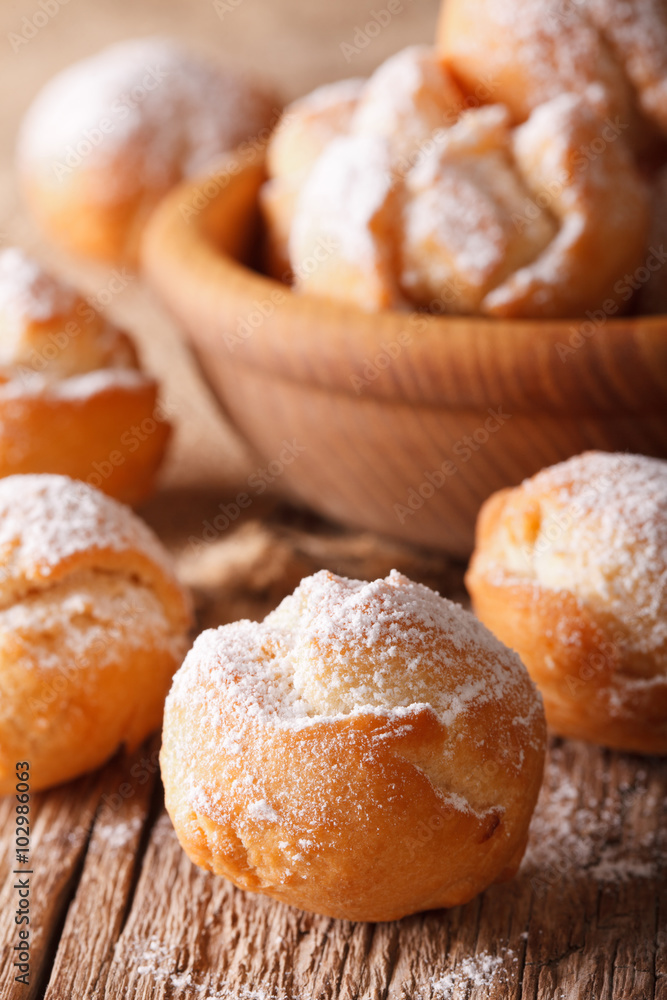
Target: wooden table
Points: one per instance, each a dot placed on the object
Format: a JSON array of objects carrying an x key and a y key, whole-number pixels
[{"x": 117, "y": 909}]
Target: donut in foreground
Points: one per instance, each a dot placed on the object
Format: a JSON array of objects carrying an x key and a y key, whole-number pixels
[
  {"x": 570, "y": 569},
  {"x": 368, "y": 751},
  {"x": 93, "y": 624}
]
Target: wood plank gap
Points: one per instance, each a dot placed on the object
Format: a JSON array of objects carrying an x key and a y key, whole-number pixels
[
  {"x": 154, "y": 811},
  {"x": 56, "y": 929}
]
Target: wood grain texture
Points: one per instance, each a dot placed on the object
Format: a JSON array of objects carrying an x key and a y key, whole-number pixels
[
  {"x": 585, "y": 918},
  {"x": 381, "y": 404},
  {"x": 119, "y": 910}
]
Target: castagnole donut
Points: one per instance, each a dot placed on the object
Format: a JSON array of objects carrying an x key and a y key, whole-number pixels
[
  {"x": 529, "y": 51},
  {"x": 93, "y": 624},
  {"x": 601, "y": 207},
  {"x": 110, "y": 135},
  {"x": 433, "y": 200},
  {"x": 306, "y": 127},
  {"x": 570, "y": 569},
  {"x": 73, "y": 399},
  {"x": 469, "y": 174},
  {"x": 344, "y": 239},
  {"x": 367, "y": 751},
  {"x": 409, "y": 98}
]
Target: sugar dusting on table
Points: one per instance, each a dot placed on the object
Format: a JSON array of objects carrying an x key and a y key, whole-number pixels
[
  {"x": 479, "y": 970},
  {"x": 575, "y": 835}
]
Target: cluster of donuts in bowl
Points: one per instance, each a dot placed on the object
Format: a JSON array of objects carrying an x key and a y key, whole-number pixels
[
  {"x": 300, "y": 753},
  {"x": 450, "y": 239}
]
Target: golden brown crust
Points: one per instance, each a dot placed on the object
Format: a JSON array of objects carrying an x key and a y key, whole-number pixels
[
  {"x": 113, "y": 437},
  {"x": 93, "y": 624},
  {"x": 600, "y": 665},
  {"x": 73, "y": 399},
  {"x": 367, "y": 814}
]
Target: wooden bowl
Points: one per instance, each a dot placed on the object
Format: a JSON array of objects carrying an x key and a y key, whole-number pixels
[{"x": 402, "y": 423}]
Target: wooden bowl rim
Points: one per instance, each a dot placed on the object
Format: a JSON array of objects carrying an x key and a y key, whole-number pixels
[{"x": 226, "y": 288}]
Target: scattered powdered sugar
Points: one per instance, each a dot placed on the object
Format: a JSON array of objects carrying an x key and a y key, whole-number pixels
[
  {"x": 482, "y": 969},
  {"x": 157, "y": 960},
  {"x": 149, "y": 102},
  {"x": 573, "y": 837},
  {"x": 160, "y": 961},
  {"x": 263, "y": 811},
  {"x": 46, "y": 519},
  {"x": 115, "y": 835}
]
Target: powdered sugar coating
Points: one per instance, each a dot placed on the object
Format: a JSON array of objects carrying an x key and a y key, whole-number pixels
[
  {"x": 348, "y": 187},
  {"x": 637, "y": 34},
  {"x": 47, "y": 520},
  {"x": 84, "y": 620},
  {"x": 330, "y": 95},
  {"x": 600, "y": 531},
  {"x": 309, "y": 124},
  {"x": 408, "y": 98},
  {"x": 462, "y": 213},
  {"x": 29, "y": 293},
  {"x": 342, "y": 241},
  {"x": 53, "y": 343},
  {"x": 146, "y": 102},
  {"x": 460, "y": 236},
  {"x": 599, "y": 200},
  {"x": 76, "y": 387},
  {"x": 554, "y": 47},
  {"x": 300, "y": 753},
  {"x": 337, "y": 647}
]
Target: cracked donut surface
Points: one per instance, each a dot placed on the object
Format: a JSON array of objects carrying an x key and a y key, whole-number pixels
[
  {"x": 367, "y": 751},
  {"x": 570, "y": 569},
  {"x": 93, "y": 624}
]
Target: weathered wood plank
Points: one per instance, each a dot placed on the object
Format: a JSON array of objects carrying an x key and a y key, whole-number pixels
[
  {"x": 125, "y": 914},
  {"x": 61, "y": 821},
  {"x": 97, "y": 911},
  {"x": 585, "y": 918}
]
